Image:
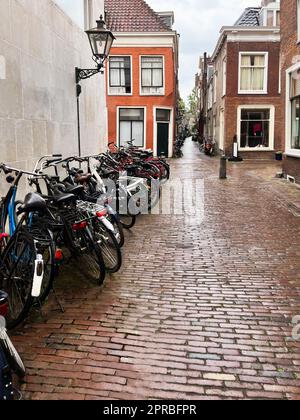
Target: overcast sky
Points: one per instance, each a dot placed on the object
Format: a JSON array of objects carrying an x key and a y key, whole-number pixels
[{"x": 199, "y": 23}]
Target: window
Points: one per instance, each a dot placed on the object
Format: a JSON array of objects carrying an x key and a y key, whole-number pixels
[
  {"x": 152, "y": 75},
  {"x": 298, "y": 20},
  {"x": 253, "y": 73},
  {"x": 131, "y": 126},
  {"x": 215, "y": 79},
  {"x": 292, "y": 115},
  {"x": 278, "y": 18},
  {"x": 163, "y": 115},
  {"x": 270, "y": 18},
  {"x": 296, "y": 123},
  {"x": 120, "y": 76},
  {"x": 224, "y": 78},
  {"x": 295, "y": 105},
  {"x": 74, "y": 9},
  {"x": 256, "y": 128}
]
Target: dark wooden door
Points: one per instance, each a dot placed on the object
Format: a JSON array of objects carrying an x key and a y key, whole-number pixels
[{"x": 163, "y": 139}]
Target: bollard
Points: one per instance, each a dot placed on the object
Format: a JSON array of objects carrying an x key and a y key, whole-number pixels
[{"x": 223, "y": 167}]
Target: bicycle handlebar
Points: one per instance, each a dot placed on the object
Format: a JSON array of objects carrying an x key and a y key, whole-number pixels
[{"x": 7, "y": 170}]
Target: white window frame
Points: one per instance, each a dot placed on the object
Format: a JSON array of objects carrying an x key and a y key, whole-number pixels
[
  {"x": 288, "y": 115},
  {"x": 224, "y": 77},
  {"x": 215, "y": 80},
  {"x": 108, "y": 76},
  {"x": 145, "y": 123},
  {"x": 298, "y": 19},
  {"x": 275, "y": 10},
  {"x": 254, "y": 92},
  {"x": 271, "y": 133},
  {"x": 171, "y": 129},
  {"x": 163, "y": 89}
]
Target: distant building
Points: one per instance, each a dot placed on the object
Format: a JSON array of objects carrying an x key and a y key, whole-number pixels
[
  {"x": 290, "y": 61},
  {"x": 142, "y": 76},
  {"x": 243, "y": 90}
]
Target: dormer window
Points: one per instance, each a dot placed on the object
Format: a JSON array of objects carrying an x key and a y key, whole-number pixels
[{"x": 270, "y": 15}]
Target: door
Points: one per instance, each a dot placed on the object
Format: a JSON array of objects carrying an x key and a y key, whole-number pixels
[
  {"x": 163, "y": 118},
  {"x": 163, "y": 139}
]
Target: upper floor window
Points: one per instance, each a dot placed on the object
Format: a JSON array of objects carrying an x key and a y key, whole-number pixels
[
  {"x": 253, "y": 73},
  {"x": 120, "y": 76},
  {"x": 74, "y": 9},
  {"x": 271, "y": 15},
  {"x": 152, "y": 75},
  {"x": 224, "y": 77}
]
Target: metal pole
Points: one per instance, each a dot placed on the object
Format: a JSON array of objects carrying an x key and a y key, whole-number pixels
[
  {"x": 223, "y": 167},
  {"x": 78, "y": 123}
]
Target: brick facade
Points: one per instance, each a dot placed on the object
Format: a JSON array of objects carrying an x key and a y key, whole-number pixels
[
  {"x": 233, "y": 99},
  {"x": 168, "y": 100},
  {"x": 290, "y": 55}
]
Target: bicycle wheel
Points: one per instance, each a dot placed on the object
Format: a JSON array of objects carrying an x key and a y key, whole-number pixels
[
  {"x": 18, "y": 265},
  {"x": 110, "y": 248},
  {"x": 119, "y": 231},
  {"x": 92, "y": 258},
  {"x": 127, "y": 221},
  {"x": 12, "y": 356}
]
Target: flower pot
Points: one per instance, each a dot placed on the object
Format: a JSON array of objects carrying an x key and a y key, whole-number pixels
[{"x": 279, "y": 156}]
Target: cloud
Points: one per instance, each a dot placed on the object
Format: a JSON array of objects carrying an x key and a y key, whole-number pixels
[{"x": 199, "y": 23}]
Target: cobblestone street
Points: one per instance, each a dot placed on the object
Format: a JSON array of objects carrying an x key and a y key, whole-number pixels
[{"x": 197, "y": 311}]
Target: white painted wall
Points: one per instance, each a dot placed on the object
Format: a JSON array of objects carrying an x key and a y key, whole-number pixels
[{"x": 39, "y": 49}]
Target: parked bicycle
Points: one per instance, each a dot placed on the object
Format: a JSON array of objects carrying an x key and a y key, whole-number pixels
[{"x": 10, "y": 361}]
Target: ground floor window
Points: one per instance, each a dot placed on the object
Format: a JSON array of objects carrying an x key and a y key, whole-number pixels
[
  {"x": 295, "y": 106},
  {"x": 255, "y": 128},
  {"x": 132, "y": 126},
  {"x": 296, "y": 123}
]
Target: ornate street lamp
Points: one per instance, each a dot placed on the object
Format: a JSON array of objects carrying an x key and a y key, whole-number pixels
[{"x": 101, "y": 40}]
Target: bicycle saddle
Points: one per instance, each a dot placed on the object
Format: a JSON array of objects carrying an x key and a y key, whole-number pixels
[
  {"x": 74, "y": 189},
  {"x": 63, "y": 198},
  {"x": 83, "y": 179},
  {"x": 32, "y": 202},
  {"x": 108, "y": 172}
]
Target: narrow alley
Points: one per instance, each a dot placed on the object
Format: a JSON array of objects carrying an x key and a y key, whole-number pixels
[{"x": 196, "y": 312}]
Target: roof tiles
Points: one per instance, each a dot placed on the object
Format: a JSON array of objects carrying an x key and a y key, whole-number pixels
[{"x": 132, "y": 16}]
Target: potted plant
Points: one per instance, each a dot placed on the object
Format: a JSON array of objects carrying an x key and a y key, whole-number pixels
[{"x": 279, "y": 156}]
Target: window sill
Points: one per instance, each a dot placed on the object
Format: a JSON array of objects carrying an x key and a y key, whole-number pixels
[
  {"x": 241, "y": 92},
  {"x": 294, "y": 154},
  {"x": 119, "y": 94},
  {"x": 152, "y": 94},
  {"x": 256, "y": 149}
]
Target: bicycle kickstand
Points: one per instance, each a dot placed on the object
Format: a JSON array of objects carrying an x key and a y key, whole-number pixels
[{"x": 62, "y": 309}]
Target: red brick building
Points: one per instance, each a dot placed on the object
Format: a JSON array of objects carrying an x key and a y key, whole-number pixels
[
  {"x": 142, "y": 76},
  {"x": 246, "y": 84},
  {"x": 290, "y": 61}
]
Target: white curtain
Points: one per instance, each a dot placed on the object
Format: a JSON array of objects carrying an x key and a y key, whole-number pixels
[
  {"x": 157, "y": 77},
  {"x": 252, "y": 73},
  {"x": 125, "y": 132},
  {"x": 138, "y": 133},
  {"x": 147, "y": 78}
]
